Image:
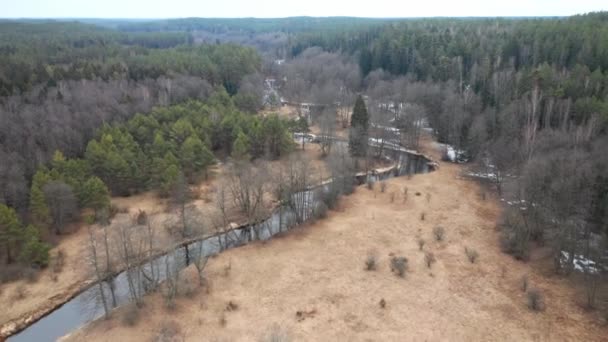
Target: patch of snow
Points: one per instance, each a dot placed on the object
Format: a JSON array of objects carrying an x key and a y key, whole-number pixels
[
  {"x": 581, "y": 263},
  {"x": 453, "y": 155}
]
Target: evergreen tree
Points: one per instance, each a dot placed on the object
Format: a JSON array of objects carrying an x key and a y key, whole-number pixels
[
  {"x": 34, "y": 251},
  {"x": 10, "y": 232},
  {"x": 240, "y": 149},
  {"x": 39, "y": 210},
  {"x": 195, "y": 156},
  {"x": 95, "y": 194},
  {"x": 359, "y": 125},
  {"x": 278, "y": 139}
]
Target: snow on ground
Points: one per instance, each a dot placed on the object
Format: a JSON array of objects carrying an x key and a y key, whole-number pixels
[{"x": 581, "y": 263}]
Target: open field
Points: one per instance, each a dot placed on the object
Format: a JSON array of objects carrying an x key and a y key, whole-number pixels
[{"x": 311, "y": 283}]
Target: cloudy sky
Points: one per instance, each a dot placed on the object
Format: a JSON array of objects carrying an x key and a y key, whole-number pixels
[{"x": 284, "y": 8}]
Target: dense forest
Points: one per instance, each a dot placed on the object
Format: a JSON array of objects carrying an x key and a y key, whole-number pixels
[
  {"x": 524, "y": 100},
  {"x": 61, "y": 81}
]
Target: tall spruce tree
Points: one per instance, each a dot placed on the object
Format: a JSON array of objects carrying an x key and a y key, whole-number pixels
[{"x": 359, "y": 124}]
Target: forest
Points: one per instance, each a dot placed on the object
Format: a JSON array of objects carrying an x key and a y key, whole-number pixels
[{"x": 93, "y": 110}]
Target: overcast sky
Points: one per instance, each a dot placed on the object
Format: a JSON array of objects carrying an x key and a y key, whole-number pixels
[{"x": 285, "y": 8}]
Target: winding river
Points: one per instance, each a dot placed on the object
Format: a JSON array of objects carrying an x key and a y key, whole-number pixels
[{"x": 84, "y": 307}]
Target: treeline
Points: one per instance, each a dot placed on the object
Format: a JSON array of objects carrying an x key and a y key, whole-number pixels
[
  {"x": 48, "y": 52},
  {"x": 449, "y": 48},
  {"x": 252, "y": 25}
]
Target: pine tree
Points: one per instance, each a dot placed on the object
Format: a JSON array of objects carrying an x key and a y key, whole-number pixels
[
  {"x": 195, "y": 156},
  {"x": 95, "y": 194},
  {"x": 240, "y": 148},
  {"x": 39, "y": 210},
  {"x": 10, "y": 232},
  {"x": 359, "y": 124},
  {"x": 34, "y": 251}
]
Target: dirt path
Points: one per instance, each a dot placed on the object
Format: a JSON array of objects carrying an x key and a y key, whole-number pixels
[{"x": 318, "y": 271}]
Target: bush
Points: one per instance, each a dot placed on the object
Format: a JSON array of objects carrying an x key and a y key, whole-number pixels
[
  {"x": 371, "y": 262},
  {"x": 320, "y": 211},
  {"x": 30, "y": 274},
  {"x": 524, "y": 283},
  {"x": 472, "y": 254},
  {"x": 231, "y": 306},
  {"x": 399, "y": 266},
  {"x": 168, "y": 332},
  {"x": 429, "y": 259},
  {"x": 189, "y": 288},
  {"x": 131, "y": 315},
  {"x": 421, "y": 243},
  {"x": 10, "y": 273},
  {"x": 439, "y": 233},
  {"x": 90, "y": 219},
  {"x": 370, "y": 184},
  {"x": 515, "y": 237},
  {"x": 141, "y": 217},
  {"x": 20, "y": 292},
  {"x": 57, "y": 261},
  {"x": 330, "y": 196},
  {"x": 535, "y": 300}
]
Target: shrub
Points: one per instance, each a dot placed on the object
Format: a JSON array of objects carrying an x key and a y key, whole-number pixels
[
  {"x": 439, "y": 233},
  {"x": 330, "y": 196},
  {"x": 371, "y": 262},
  {"x": 382, "y": 186},
  {"x": 421, "y": 243},
  {"x": 472, "y": 254},
  {"x": 57, "y": 261},
  {"x": 10, "y": 272},
  {"x": 141, "y": 217},
  {"x": 90, "y": 219},
  {"x": 231, "y": 306},
  {"x": 524, "y": 283},
  {"x": 320, "y": 211},
  {"x": 399, "y": 266},
  {"x": 429, "y": 259},
  {"x": 370, "y": 184},
  {"x": 535, "y": 300},
  {"x": 30, "y": 274},
  {"x": 20, "y": 292},
  {"x": 168, "y": 332},
  {"x": 189, "y": 288},
  {"x": 515, "y": 236},
  {"x": 131, "y": 315}
]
